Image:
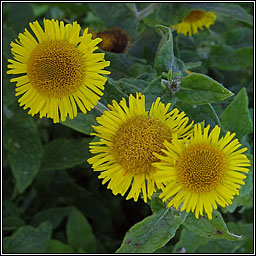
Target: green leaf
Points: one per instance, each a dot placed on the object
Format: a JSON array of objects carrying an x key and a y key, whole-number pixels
[
  {"x": 215, "y": 228},
  {"x": 247, "y": 231},
  {"x": 39, "y": 9},
  {"x": 193, "y": 243},
  {"x": 10, "y": 209},
  {"x": 24, "y": 148},
  {"x": 172, "y": 13},
  {"x": 165, "y": 58},
  {"x": 156, "y": 204},
  {"x": 225, "y": 58},
  {"x": 8, "y": 88},
  {"x": 231, "y": 11},
  {"x": 167, "y": 249},
  {"x": 154, "y": 90},
  {"x": 145, "y": 45},
  {"x": 189, "y": 241},
  {"x": 55, "y": 246},
  {"x": 23, "y": 14},
  {"x": 65, "y": 153},
  {"x": 222, "y": 246},
  {"x": 200, "y": 113},
  {"x": 239, "y": 37},
  {"x": 12, "y": 223},
  {"x": 28, "y": 239},
  {"x": 129, "y": 85},
  {"x": 81, "y": 123},
  {"x": 236, "y": 116},
  {"x": 153, "y": 232},
  {"x": 200, "y": 89},
  {"x": 54, "y": 215},
  {"x": 138, "y": 69},
  {"x": 79, "y": 232},
  {"x": 121, "y": 64},
  {"x": 152, "y": 19},
  {"x": 74, "y": 195},
  {"x": 112, "y": 92},
  {"x": 116, "y": 15},
  {"x": 190, "y": 65},
  {"x": 81, "y": 251}
]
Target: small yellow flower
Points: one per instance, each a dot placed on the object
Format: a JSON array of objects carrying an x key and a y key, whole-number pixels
[
  {"x": 128, "y": 138},
  {"x": 202, "y": 171},
  {"x": 188, "y": 72},
  {"x": 59, "y": 70},
  {"x": 195, "y": 19}
]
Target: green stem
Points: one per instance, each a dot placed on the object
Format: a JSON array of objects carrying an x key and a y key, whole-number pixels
[
  {"x": 143, "y": 13},
  {"x": 148, "y": 10},
  {"x": 133, "y": 8}
]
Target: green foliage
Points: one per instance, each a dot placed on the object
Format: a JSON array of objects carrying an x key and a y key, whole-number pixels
[
  {"x": 23, "y": 14},
  {"x": 55, "y": 246},
  {"x": 52, "y": 200},
  {"x": 64, "y": 153},
  {"x": 110, "y": 13},
  {"x": 165, "y": 59},
  {"x": 82, "y": 123},
  {"x": 28, "y": 239},
  {"x": 199, "y": 244},
  {"x": 79, "y": 233},
  {"x": 236, "y": 117},
  {"x": 225, "y": 58},
  {"x": 24, "y": 148},
  {"x": 200, "y": 89},
  {"x": 244, "y": 245},
  {"x": 178, "y": 11},
  {"x": 215, "y": 228},
  {"x": 54, "y": 215},
  {"x": 153, "y": 232},
  {"x": 200, "y": 113},
  {"x": 231, "y": 11}
]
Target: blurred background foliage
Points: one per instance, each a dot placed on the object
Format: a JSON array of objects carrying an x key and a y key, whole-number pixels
[{"x": 52, "y": 201}]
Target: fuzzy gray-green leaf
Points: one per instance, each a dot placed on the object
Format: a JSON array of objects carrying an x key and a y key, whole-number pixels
[
  {"x": 200, "y": 89},
  {"x": 153, "y": 232}
]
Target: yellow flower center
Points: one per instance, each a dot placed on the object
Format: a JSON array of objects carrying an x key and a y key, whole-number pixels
[
  {"x": 56, "y": 68},
  {"x": 136, "y": 140},
  {"x": 201, "y": 167},
  {"x": 195, "y": 16}
]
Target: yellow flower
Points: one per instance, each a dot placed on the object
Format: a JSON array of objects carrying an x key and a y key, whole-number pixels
[
  {"x": 195, "y": 19},
  {"x": 188, "y": 72},
  {"x": 201, "y": 171},
  {"x": 60, "y": 70},
  {"x": 128, "y": 138}
]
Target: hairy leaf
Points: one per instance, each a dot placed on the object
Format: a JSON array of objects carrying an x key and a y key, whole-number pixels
[
  {"x": 200, "y": 89},
  {"x": 153, "y": 232},
  {"x": 215, "y": 228},
  {"x": 236, "y": 116}
]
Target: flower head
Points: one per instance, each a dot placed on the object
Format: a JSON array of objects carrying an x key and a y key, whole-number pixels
[
  {"x": 202, "y": 171},
  {"x": 60, "y": 70},
  {"x": 113, "y": 40},
  {"x": 128, "y": 138},
  {"x": 194, "y": 20}
]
